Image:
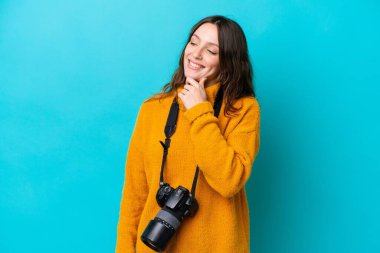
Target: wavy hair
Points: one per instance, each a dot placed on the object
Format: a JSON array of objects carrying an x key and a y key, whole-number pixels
[{"x": 236, "y": 73}]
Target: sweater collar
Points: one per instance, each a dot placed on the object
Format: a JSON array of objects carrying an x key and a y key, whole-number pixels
[{"x": 211, "y": 92}]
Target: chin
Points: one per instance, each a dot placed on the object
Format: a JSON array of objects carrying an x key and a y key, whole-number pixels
[{"x": 195, "y": 77}]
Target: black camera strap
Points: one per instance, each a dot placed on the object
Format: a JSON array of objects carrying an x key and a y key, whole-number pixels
[{"x": 170, "y": 128}]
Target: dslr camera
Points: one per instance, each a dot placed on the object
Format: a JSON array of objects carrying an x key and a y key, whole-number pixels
[{"x": 176, "y": 205}]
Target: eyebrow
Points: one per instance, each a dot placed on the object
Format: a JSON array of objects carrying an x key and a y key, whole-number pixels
[{"x": 206, "y": 41}]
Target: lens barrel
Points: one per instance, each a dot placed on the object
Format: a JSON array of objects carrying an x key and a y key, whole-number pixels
[
  {"x": 176, "y": 205},
  {"x": 160, "y": 230}
]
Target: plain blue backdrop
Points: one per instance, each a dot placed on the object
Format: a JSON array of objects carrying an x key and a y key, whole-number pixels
[{"x": 74, "y": 73}]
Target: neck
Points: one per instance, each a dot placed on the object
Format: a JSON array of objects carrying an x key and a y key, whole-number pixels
[{"x": 211, "y": 82}]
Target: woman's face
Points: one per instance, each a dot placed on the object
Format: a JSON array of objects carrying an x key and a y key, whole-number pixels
[{"x": 201, "y": 57}]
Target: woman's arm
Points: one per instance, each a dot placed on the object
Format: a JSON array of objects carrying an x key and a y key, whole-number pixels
[
  {"x": 134, "y": 192},
  {"x": 225, "y": 162}
]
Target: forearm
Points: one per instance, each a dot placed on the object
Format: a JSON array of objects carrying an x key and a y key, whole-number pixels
[{"x": 225, "y": 162}]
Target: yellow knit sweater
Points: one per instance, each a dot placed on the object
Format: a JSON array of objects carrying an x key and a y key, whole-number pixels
[{"x": 224, "y": 149}]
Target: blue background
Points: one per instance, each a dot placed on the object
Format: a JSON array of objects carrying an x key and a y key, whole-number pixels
[{"x": 74, "y": 73}]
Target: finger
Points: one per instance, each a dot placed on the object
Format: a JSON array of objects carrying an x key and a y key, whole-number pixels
[
  {"x": 189, "y": 87},
  {"x": 193, "y": 84},
  {"x": 191, "y": 81}
]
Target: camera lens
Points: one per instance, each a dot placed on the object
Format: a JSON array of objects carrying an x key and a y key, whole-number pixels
[{"x": 160, "y": 230}]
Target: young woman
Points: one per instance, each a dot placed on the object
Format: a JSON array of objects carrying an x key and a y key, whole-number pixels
[{"x": 214, "y": 217}]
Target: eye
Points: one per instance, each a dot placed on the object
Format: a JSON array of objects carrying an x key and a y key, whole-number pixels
[
  {"x": 192, "y": 43},
  {"x": 212, "y": 52}
]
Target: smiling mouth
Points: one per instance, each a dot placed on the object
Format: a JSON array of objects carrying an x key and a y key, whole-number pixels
[{"x": 194, "y": 66}]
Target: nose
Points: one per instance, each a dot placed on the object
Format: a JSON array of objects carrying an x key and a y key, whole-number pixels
[{"x": 197, "y": 53}]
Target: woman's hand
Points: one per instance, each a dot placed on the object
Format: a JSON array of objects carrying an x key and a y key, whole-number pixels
[{"x": 193, "y": 92}]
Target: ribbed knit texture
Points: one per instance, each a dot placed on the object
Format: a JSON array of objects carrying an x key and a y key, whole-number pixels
[{"x": 224, "y": 149}]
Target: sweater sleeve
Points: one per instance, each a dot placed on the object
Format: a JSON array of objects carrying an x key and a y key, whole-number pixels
[
  {"x": 225, "y": 162},
  {"x": 134, "y": 192}
]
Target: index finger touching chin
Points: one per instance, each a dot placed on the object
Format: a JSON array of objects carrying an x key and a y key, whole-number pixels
[{"x": 191, "y": 81}]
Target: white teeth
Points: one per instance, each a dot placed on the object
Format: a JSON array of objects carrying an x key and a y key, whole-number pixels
[{"x": 194, "y": 65}]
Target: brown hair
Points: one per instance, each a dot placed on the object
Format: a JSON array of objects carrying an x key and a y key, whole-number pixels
[{"x": 236, "y": 74}]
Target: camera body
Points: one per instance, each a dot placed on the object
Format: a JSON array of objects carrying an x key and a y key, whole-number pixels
[
  {"x": 178, "y": 200},
  {"x": 176, "y": 204}
]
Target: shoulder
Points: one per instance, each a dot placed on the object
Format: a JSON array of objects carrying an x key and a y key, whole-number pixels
[
  {"x": 247, "y": 104},
  {"x": 250, "y": 102},
  {"x": 155, "y": 104},
  {"x": 246, "y": 119}
]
